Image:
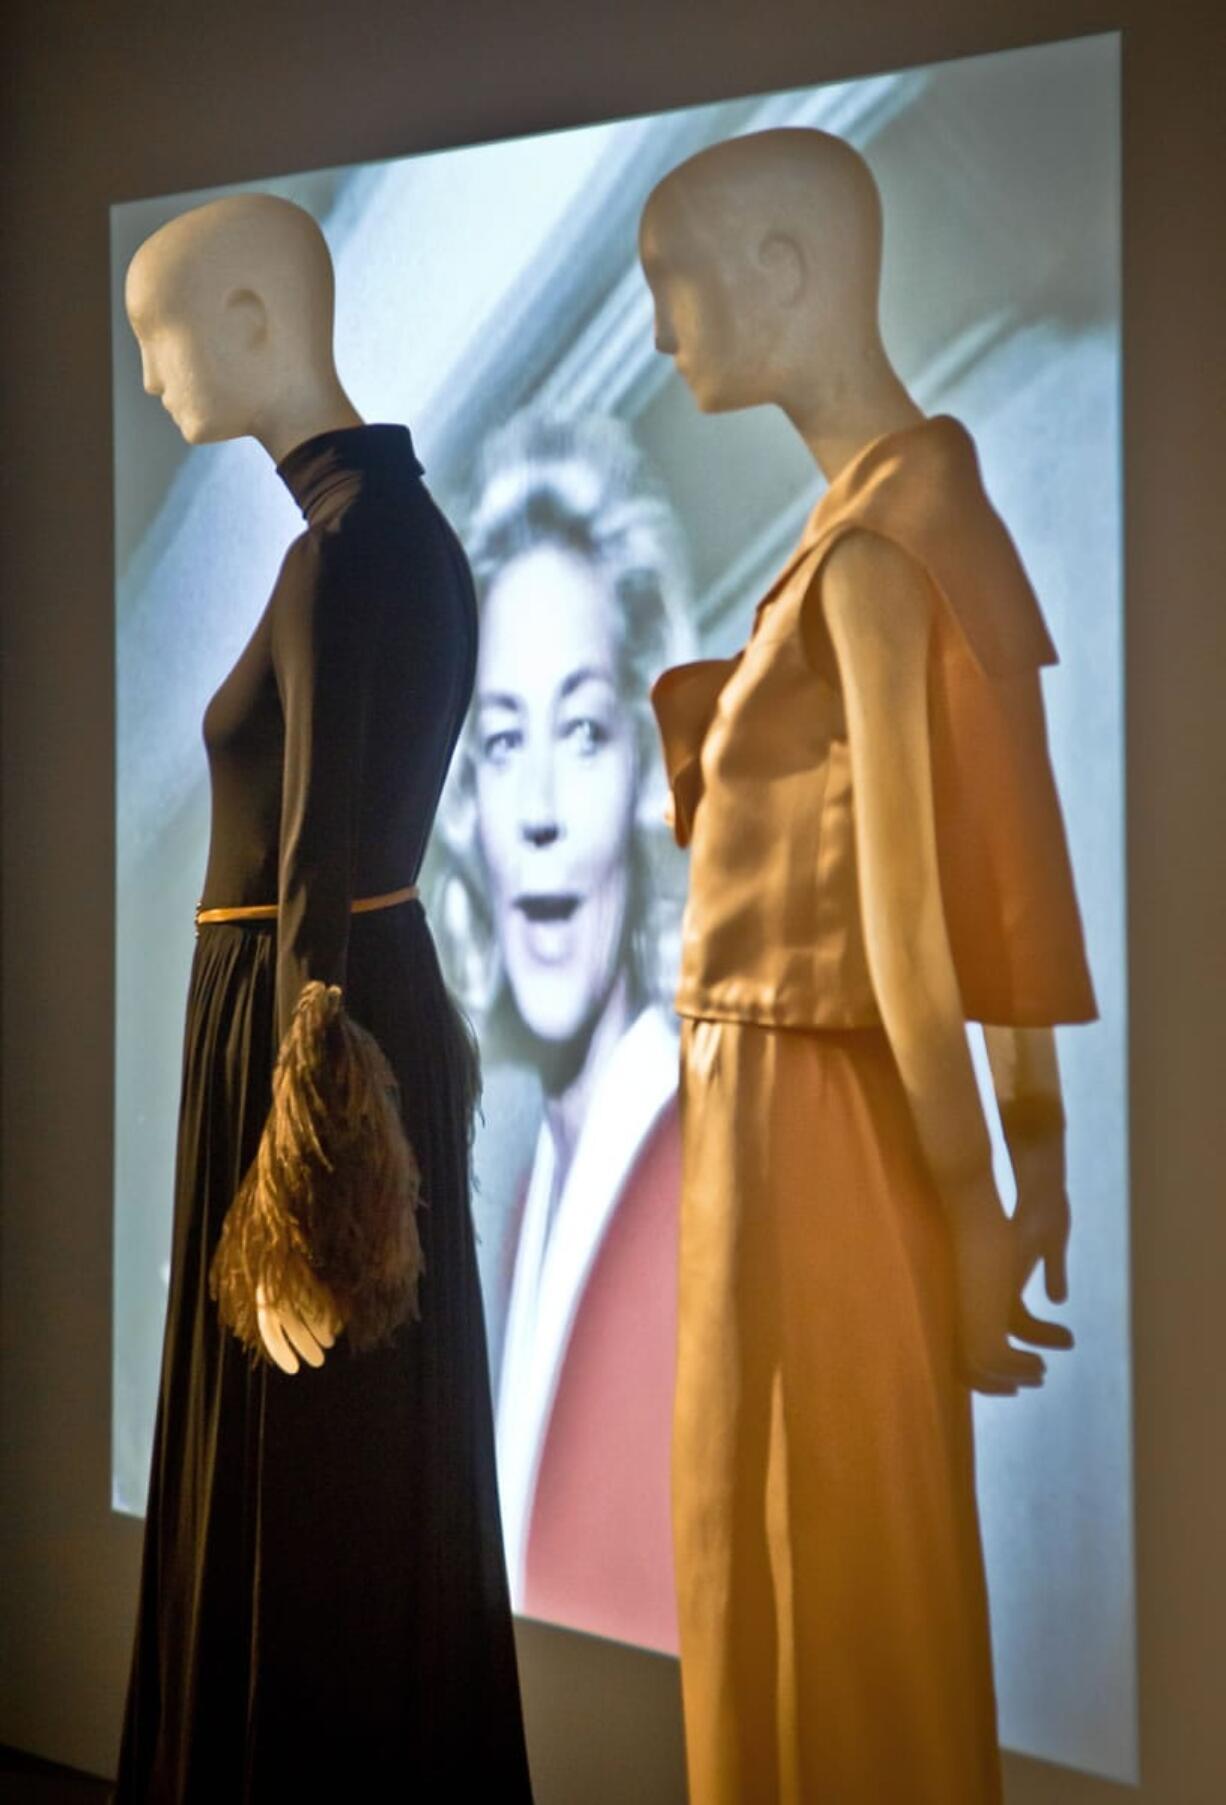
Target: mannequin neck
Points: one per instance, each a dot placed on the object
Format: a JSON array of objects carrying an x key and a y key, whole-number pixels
[
  {"x": 316, "y": 406},
  {"x": 838, "y": 412}
]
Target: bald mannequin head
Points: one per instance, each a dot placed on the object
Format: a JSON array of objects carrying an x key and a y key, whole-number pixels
[
  {"x": 232, "y": 306},
  {"x": 763, "y": 255}
]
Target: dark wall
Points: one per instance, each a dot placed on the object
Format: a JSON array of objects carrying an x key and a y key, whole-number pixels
[{"x": 108, "y": 103}]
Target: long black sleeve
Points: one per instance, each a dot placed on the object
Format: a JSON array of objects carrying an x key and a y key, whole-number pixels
[
  {"x": 326, "y": 625},
  {"x": 328, "y": 745}
]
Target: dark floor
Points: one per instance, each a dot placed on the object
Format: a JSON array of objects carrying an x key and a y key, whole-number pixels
[{"x": 25, "y": 1780}]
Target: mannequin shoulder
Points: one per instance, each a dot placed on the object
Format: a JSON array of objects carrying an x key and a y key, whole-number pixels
[
  {"x": 876, "y": 600},
  {"x": 323, "y": 595},
  {"x": 333, "y": 565}
]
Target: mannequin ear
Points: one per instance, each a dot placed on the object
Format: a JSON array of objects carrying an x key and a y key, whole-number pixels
[
  {"x": 783, "y": 263},
  {"x": 247, "y": 317}
]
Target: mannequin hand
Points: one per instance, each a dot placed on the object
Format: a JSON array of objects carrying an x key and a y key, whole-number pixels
[
  {"x": 989, "y": 1306},
  {"x": 1041, "y": 1222},
  {"x": 283, "y": 1329}
]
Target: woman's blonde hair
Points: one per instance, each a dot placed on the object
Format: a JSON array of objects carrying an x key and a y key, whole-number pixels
[{"x": 584, "y": 487}]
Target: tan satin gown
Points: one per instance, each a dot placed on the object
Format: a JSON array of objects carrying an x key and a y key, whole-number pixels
[{"x": 832, "y": 1608}]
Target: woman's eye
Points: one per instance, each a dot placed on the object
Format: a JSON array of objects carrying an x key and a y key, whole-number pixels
[
  {"x": 497, "y": 746},
  {"x": 585, "y": 735}
]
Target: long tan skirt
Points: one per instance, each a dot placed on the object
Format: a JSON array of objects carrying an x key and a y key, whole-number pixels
[{"x": 833, "y": 1615}]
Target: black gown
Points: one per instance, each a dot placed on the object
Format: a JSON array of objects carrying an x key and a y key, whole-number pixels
[{"x": 324, "y": 1608}]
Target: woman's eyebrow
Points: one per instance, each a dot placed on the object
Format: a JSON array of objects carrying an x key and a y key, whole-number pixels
[
  {"x": 586, "y": 673},
  {"x": 499, "y": 698}
]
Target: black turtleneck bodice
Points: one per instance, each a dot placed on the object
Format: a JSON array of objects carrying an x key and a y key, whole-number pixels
[{"x": 329, "y": 741}]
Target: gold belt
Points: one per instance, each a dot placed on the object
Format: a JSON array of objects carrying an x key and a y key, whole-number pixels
[{"x": 361, "y": 905}]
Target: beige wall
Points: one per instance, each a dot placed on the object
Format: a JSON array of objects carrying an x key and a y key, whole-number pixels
[{"x": 107, "y": 103}]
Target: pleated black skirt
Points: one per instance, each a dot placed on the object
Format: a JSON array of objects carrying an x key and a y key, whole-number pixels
[{"x": 323, "y": 1606}]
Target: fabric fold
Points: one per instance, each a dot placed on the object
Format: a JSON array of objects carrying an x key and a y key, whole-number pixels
[{"x": 684, "y": 700}]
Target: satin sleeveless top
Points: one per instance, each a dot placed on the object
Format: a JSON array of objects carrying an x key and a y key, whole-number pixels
[{"x": 756, "y": 752}]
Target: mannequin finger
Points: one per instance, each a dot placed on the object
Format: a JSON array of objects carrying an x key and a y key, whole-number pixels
[
  {"x": 988, "y": 1383},
  {"x": 1056, "y": 1274},
  {"x": 302, "y": 1338},
  {"x": 1028, "y": 1253},
  {"x": 1018, "y": 1365},
  {"x": 1037, "y": 1330},
  {"x": 321, "y": 1318},
  {"x": 273, "y": 1337}
]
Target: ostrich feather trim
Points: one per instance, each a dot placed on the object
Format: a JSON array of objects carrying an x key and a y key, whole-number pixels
[{"x": 327, "y": 1211}]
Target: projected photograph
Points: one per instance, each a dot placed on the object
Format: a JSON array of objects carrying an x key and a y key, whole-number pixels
[{"x": 491, "y": 298}]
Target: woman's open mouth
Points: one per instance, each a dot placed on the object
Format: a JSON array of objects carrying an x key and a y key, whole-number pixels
[
  {"x": 556, "y": 905},
  {"x": 548, "y": 918}
]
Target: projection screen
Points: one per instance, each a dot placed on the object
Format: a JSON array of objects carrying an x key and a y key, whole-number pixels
[{"x": 491, "y": 298}]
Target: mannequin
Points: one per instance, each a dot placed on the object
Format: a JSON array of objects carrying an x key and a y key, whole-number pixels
[
  {"x": 847, "y": 1269},
  {"x": 323, "y": 1602},
  {"x": 232, "y": 307}
]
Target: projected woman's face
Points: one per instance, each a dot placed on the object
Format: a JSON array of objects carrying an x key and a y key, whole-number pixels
[{"x": 556, "y": 780}]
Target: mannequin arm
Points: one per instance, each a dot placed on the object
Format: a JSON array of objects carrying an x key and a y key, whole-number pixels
[
  {"x": 877, "y": 608},
  {"x": 1026, "y": 1079},
  {"x": 325, "y": 636},
  {"x": 322, "y": 1232},
  {"x": 323, "y": 678}
]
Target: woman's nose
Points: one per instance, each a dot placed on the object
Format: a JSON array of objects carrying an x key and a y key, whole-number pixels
[{"x": 538, "y": 814}]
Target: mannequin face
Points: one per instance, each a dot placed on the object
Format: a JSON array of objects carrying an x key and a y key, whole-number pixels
[
  {"x": 231, "y": 304},
  {"x": 716, "y": 303},
  {"x": 556, "y": 784},
  {"x": 195, "y": 355}
]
